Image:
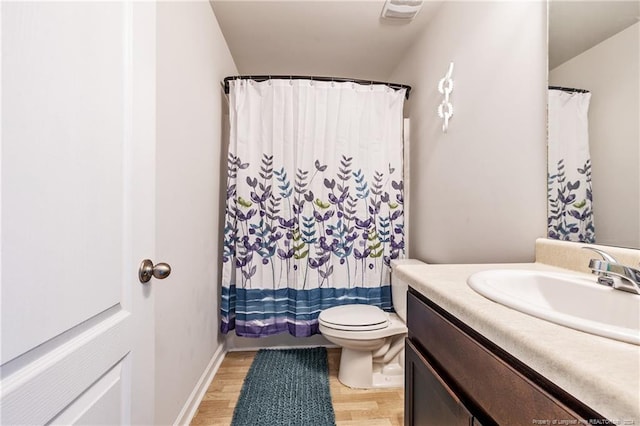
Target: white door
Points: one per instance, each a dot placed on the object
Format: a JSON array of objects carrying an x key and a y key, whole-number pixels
[{"x": 77, "y": 216}]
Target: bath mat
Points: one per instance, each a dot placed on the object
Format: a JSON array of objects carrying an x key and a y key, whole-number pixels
[{"x": 286, "y": 387}]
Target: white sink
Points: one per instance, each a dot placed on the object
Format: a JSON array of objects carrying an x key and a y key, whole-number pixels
[{"x": 569, "y": 300}]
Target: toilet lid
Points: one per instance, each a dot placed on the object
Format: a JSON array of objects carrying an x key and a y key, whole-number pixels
[{"x": 354, "y": 318}]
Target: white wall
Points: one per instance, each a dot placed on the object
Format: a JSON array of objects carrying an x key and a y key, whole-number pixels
[
  {"x": 478, "y": 193},
  {"x": 192, "y": 59},
  {"x": 610, "y": 71}
]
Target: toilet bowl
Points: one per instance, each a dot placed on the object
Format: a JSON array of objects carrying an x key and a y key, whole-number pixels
[{"x": 372, "y": 341}]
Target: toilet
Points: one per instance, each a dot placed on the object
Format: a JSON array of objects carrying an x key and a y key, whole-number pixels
[{"x": 372, "y": 341}]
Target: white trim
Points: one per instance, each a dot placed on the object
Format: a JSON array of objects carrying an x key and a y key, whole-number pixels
[
  {"x": 236, "y": 343},
  {"x": 257, "y": 348},
  {"x": 195, "y": 398}
]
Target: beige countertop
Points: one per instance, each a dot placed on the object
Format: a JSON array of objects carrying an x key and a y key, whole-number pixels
[{"x": 602, "y": 373}]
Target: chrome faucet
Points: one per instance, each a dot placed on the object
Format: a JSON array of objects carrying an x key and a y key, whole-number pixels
[{"x": 614, "y": 274}]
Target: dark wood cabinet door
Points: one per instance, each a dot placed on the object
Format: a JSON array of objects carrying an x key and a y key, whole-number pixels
[
  {"x": 428, "y": 399},
  {"x": 495, "y": 386}
]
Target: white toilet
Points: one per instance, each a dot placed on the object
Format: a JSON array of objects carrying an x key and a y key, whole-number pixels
[{"x": 372, "y": 341}]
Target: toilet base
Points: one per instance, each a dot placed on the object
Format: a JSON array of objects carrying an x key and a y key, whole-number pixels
[
  {"x": 357, "y": 370},
  {"x": 382, "y": 380}
]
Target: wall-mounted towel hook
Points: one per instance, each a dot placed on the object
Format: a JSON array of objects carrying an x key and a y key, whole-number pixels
[{"x": 445, "y": 109}]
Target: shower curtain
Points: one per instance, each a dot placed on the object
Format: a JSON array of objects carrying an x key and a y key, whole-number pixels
[
  {"x": 314, "y": 210},
  {"x": 570, "y": 210}
]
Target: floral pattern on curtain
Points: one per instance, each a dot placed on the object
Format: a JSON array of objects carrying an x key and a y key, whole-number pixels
[
  {"x": 314, "y": 210},
  {"x": 569, "y": 192}
]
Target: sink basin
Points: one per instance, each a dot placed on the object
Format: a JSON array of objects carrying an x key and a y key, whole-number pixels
[{"x": 569, "y": 300}]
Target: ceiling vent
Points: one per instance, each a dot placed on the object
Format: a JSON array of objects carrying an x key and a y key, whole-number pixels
[{"x": 401, "y": 10}]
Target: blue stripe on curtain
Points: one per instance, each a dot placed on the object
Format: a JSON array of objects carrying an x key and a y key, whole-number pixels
[{"x": 265, "y": 312}]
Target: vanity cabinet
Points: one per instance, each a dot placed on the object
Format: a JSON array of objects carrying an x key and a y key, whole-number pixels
[{"x": 455, "y": 376}]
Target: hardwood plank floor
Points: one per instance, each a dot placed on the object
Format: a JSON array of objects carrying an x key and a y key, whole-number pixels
[{"x": 371, "y": 407}]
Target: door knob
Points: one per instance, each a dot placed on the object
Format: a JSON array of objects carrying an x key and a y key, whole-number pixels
[{"x": 147, "y": 270}]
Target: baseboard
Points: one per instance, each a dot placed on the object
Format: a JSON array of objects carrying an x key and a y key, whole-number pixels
[
  {"x": 257, "y": 348},
  {"x": 193, "y": 402},
  {"x": 279, "y": 341}
]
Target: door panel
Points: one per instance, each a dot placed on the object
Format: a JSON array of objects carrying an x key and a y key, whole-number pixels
[
  {"x": 78, "y": 138},
  {"x": 37, "y": 392},
  {"x": 100, "y": 404},
  {"x": 62, "y": 159}
]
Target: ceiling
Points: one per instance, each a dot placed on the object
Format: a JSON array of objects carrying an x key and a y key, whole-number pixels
[
  {"x": 319, "y": 38},
  {"x": 576, "y": 26},
  {"x": 347, "y": 38}
]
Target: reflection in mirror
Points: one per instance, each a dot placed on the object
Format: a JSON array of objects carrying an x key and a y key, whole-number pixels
[{"x": 594, "y": 132}]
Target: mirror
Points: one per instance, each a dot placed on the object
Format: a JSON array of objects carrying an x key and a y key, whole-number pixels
[{"x": 594, "y": 46}]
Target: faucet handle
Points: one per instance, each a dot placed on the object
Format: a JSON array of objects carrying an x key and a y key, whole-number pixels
[{"x": 606, "y": 256}]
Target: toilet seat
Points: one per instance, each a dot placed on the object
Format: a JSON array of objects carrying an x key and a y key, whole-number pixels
[{"x": 354, "y": 318}]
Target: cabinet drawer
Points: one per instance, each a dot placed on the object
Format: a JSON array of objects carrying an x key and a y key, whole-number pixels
[
  {"x": 484, "y": 380},
  {"x": 428, "y": 399}
]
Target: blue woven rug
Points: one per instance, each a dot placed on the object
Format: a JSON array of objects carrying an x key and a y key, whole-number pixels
[{"x": 286, "y": 387}]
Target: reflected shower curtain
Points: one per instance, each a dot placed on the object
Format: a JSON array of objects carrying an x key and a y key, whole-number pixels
[
  {"x": 569, "y": 196},
  {"x": 314, "y": 210}
]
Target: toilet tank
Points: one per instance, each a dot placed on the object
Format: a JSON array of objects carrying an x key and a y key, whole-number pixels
[
  {"x": 399, "y": 296},
  {"x": 399, "y": 288}
]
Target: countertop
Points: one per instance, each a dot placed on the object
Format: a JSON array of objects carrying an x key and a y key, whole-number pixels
[{"x": 602, "y": 373}]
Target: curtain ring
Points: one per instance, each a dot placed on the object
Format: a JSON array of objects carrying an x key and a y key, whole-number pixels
[
  {"x": 290, "y": 81},
  {"x": 311, "y": 82},
  {"x": 269, "y": 81}
]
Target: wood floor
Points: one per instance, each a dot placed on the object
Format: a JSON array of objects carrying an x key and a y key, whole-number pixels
[{"x": 370, "y": 407}]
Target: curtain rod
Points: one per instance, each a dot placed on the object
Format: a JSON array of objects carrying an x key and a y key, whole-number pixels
[
  {"x": 568, "y": 89},
  {"x": 395, "y": 86}
]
